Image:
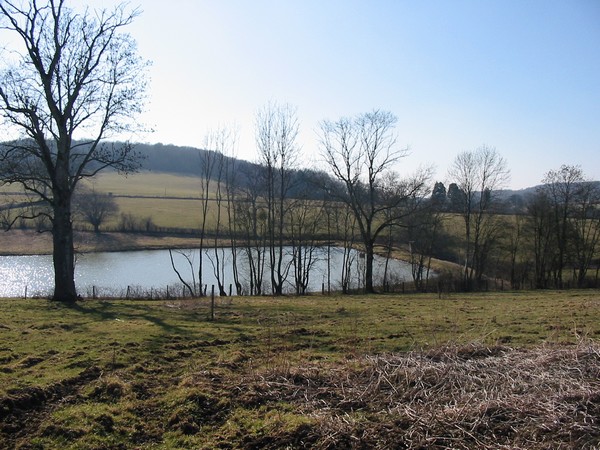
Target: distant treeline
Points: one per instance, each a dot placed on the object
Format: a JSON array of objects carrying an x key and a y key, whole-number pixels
[{"x": 188, "y": 161}]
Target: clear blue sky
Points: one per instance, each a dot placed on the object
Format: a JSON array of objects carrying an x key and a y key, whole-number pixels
[{"x": 519, "y": 75}]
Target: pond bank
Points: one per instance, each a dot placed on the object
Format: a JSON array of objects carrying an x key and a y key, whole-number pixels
[{"x": 28, "y": 242}]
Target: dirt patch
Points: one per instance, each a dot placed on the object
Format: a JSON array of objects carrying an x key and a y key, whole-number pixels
[
  {"x": 197, "y": 410},
  {"x": 31, "y": 361},
  {"x": 108, "y": 391},
  {"x": 300, "y": 437}
]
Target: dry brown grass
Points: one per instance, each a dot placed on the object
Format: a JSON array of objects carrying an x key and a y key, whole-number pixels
[{"x": 455, "y": 397}]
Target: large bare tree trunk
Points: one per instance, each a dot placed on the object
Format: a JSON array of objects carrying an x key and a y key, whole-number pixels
[{"x": 64, "y": 254}]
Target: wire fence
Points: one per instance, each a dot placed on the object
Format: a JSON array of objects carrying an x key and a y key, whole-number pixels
[{"x": 438, "y": 285}]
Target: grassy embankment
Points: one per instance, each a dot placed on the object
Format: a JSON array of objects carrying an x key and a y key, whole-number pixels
[{"x": 502, "y": 370}]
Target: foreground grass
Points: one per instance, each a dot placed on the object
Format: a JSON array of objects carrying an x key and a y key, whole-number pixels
[{"x": 322, "y": 372}]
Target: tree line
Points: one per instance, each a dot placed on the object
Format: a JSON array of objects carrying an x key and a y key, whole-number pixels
[
  {"x": 548, "y": 239},
  {"x": 279, "y": 223}
]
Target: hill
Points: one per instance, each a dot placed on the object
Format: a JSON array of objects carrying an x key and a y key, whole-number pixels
[
  {"x": 180, "y": 160},
  {"x": 188, "y": 161}
]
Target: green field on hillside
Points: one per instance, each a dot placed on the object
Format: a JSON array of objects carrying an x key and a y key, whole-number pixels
[
  {"x": 147, "y": 184},
  {"x": 164, "y": 213},
  {"x": 169, "y": 201},
  {"x": 320, "y": 372}
]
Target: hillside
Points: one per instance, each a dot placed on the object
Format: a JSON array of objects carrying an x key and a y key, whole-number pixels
[
  {"x": 187, "y": 161},
  {"x": 180, "y": 160}
]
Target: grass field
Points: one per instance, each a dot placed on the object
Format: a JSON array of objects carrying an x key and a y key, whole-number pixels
[
  {"x": 148, "y": 184},
  {"x": 501, "y": 370},
  {"x": 165, "y": 213}
]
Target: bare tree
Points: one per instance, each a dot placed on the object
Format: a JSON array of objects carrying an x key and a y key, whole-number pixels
[
  {"x": 306, "y": 218},
  {"x": 231, "y": 194},
  {"x": 216, "y": 189},
  {"x": 560, "y": 186},
  {"x": 74, "y": 74},
  {"x": 423, "y": 232},
  {"x": 276, "y": 134},
  {"x": 346, "y": 229},
  {"x": 189, "y": 257},
  {"x": 359, "y": 151},
  {"x": 573, "y": 208},
  {"x": 540, "y": 231},
  {"x": 478, "y": 174},
  {"x": 208, "y": 160},
  {"x": 517, "y": 251},
  {"x": 221, "y": 143},
  {"x": 585, "y": 229},
  {"x": 251, "y": 218},
  {"x": 95, "y": 207}
]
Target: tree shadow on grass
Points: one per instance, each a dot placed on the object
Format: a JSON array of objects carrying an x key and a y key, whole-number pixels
[{"x": 105, "y": 311}]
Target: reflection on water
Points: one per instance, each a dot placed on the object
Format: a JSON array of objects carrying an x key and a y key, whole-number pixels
[
  {"x": 20, "y": 272},
  {"x": 115, "y": 271}
]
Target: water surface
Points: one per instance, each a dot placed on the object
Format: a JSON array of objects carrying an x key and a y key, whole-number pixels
[{"x": 111, "y": 273}]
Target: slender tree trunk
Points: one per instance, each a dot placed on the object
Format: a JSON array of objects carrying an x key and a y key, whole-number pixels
[
  {"x": 299, "y": 271},
  {"x": 369, "y": 258},
  {"x": 346, "y": 267},
  {"x": 63, "y": 254}
]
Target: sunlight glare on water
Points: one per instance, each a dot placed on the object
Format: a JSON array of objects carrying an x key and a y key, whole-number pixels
[{"x": 34, "y": 273}]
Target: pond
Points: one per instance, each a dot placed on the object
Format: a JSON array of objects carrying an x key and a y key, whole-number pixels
[{"x": 113, "y": 273}]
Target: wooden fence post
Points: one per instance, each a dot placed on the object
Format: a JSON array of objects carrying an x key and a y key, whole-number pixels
[{"x": 212, "y": 303}]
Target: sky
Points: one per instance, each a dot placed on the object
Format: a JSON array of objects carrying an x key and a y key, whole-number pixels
[{"x": 522, "y": 76}]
